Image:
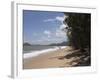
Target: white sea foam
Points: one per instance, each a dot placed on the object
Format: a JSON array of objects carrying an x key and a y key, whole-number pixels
[{"x": 36, "y": 53}]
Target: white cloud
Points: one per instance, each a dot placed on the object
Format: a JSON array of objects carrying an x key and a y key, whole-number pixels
[
  {"x": 62, "y": 26},
  {"x": 60, "y": 19},
  {"x": 49, "y": 37},
  {"x": 57, "y": 18},
  {"x": 49, "y": 20},
  {"x": 48, "y": 33},
  {"x": 60, "y": 33},
  {"x": 53, "y": 37}
]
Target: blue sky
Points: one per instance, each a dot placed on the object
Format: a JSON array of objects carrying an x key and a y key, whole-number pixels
[{"x": 42, "y": 27}]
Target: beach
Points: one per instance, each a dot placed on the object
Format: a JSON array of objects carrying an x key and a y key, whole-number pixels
[{"x": 52, "y": 59}]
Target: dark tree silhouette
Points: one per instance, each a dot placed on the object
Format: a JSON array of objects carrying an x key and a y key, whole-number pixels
[
  {"x": 80, "y": 30},
  {"x": 79, "y": 34}
]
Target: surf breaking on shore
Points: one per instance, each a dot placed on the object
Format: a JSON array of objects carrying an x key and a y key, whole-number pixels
[{"x": 36, "y": 53}]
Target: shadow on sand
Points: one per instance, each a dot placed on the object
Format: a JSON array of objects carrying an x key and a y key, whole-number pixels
[{"x": 80, "y": 58}]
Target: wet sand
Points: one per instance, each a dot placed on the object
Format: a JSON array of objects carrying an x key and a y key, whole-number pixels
[{"x": 52, "y": 59}]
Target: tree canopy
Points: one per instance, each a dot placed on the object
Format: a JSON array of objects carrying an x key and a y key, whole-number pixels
[{"x": 79, "y": 30}]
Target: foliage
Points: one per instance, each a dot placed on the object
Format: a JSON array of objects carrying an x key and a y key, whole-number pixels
[{"x": 79, "y": 30}]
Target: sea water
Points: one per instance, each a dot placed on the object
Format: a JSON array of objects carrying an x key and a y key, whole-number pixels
[{"x": 32, "y": 51}]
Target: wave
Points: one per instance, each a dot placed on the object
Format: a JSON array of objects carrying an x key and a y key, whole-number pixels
[{"x": 36, "y": 53}]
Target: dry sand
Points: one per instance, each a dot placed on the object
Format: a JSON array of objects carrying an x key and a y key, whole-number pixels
[{"x": 49, "y": 60}]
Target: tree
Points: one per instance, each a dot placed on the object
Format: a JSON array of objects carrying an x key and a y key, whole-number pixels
[{"x": 80, "y": 30}]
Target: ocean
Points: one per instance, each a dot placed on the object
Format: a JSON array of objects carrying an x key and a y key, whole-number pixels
[
  {"x": 35, "y": 50},
  {"x": 27, "y": 49}
]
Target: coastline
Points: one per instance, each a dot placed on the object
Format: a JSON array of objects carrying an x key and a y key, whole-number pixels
[
  {"x": 47, "y": 60},
  {"x": 60, "y": 58},
  {"x": 36, "y": 53}
]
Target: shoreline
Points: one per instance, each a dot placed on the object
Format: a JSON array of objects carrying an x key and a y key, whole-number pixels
[
  {"x": 47, "y": 60},
  {"x": 36, "y": 53},
  {"x": 66, "y": 57}
]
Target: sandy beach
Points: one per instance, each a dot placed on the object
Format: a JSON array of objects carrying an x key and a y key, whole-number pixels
[{"x": 54, "y": 59}]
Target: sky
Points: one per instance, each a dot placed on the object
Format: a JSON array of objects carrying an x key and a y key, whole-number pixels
[{"x": 43, "y": 27}]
